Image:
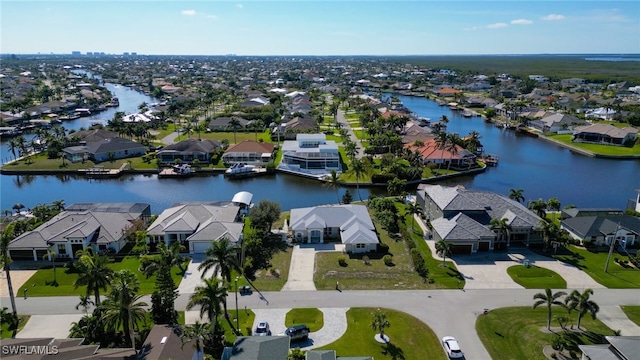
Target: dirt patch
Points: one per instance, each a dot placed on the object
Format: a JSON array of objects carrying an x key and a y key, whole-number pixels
[{"x": 18, "y": 278}]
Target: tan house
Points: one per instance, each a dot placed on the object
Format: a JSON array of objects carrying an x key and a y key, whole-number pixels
[{"x": 249, "y": 152}]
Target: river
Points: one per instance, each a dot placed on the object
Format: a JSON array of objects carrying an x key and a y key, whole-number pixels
[{"x": 542, "y": 169}]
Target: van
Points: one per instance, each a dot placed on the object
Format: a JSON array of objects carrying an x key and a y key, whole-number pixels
[{"x": 298, "y": 332}]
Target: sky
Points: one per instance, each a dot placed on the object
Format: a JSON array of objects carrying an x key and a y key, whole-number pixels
[{"x": 255, "y": 27}]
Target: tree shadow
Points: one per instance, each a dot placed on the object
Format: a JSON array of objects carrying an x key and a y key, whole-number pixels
[{"x": 396, "y": 353}]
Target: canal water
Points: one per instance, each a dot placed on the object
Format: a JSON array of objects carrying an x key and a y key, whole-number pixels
[{"x": 542, "y": 169}]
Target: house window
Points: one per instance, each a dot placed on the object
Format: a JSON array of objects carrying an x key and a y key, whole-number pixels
[
  {"x": 126, "y": 152},
  {"x": 62, "y": 249},
  {"x": 360, "y": 246}
]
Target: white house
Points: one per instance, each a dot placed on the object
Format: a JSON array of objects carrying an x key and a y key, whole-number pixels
[
  {"x": 349, "y": 223},
  {"x": 310, "y": 153}
]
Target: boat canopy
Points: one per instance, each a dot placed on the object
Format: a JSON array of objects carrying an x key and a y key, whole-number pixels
[{"x": 243, "y": 197}]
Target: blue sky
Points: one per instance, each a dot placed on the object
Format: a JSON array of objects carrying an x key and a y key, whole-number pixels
[{"x": 320, "y": 27}]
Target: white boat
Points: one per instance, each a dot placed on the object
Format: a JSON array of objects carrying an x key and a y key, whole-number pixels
[{"x": 239, "y": 168}]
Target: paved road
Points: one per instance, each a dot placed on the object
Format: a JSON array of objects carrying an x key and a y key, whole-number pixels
[
  {"x": 447, "y": 312},
  {"x": 342, "y": 120}
]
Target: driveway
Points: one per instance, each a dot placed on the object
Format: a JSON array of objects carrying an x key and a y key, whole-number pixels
[
  {"x": 46, "y": 326},
  {"x": 18, "y": 278},
  {"x": 192, "y": 277},
  {"x": 303, "y": 258}
]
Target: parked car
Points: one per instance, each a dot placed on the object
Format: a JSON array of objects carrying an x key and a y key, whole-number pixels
[
  {"x": 298, "y": 332},
  {"x": 263, "y": 329},
  {"x": 452, "y": 348}
]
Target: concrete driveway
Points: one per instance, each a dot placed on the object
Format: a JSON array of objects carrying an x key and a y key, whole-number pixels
[
  {"x": 18, "y": 278},
  {"x": 303, "y": 258},
  {"x": 192, "y": 277},
  {"x": 46, "y": 326}
]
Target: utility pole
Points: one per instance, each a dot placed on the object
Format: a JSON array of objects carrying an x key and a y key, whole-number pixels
[{"x": 237, "y": 320}]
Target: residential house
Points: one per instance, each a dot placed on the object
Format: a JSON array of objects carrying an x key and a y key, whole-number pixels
[
  {"x": 555, "y": 122},
  {"x": 83, "y": 137},
  {"x": 463, "y": 217},
  {"x": 100, "y": 226},
  {"x": 258, "y": 348},
  {"x": 349, "y": 223},
  {"x": 249, "y": 152},
  {"x": 413, "y": 131},
  {"x": 164, "y": 342},
  {"x": 460, "y": 158},
  {"x": 310, "y": 153},
  {"x": 189, "y": 150},
  {"x": 197, "y": 224},
  {"x": 601, "y": 230},
  {"x": 605, "y": 134},
  {"x": 576, "y": 212},
  {"x": 113, "y": 149},
  {"x": 223, "y": 123},
  {"x": 618, "y": 348},
  {"x": 448, "y": 92},
  {"x": 289, "y": 129},
  {"x": 47, "y": 348},
  {"x": 257, "y": 101}
]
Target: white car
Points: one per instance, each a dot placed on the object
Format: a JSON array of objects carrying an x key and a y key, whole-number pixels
[
  {"x": 263, "y": 329},
  {"x": 452, "y": 348}
]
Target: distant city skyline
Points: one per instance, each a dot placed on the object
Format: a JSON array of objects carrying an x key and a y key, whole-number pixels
[{"x": 259, "y": 27}]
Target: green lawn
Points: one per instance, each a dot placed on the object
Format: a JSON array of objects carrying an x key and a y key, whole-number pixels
[
  {"x": 600, "y": 149},
  {"x": 375, "y": 275},
  {"x": 632, "y": 312},
  {"x": 520, "y": 332},
  {"x": 41, "y": 162},
  {"x": 40, "y": 283},
  {"x": 7, "y": 333},
  {"x": 311, "y": 317},
  {"x": 534, "y": 277},
  {"x": 240, "y": 136},
  {"x": 593, "y": 264},
  {"x": 245, "y": 322},
  {"x": 410, "y": 338},
  {"x": 274, "y": 278}
]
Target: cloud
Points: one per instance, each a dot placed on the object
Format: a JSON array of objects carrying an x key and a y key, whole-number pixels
[
  {"x": 497, "y": 26},
  {"x": 188, "y": 12},
  {"x": 239, "y": 6},
  {"x": 521, "y": 22},
  {"x": 211, "y": 16},
  {"x": 553, "y": 17}
]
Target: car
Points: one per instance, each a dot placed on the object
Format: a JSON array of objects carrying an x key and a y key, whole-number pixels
[
  {"x": 263, "y": 329},
  {"x": 452, "y": 347},
  {"x": 298, "y": 332}
]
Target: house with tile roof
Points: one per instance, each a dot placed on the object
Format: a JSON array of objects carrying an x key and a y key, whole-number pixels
[
  {"x": 197, "y": 224},
  {"x": 189, "y": 150},
  {"x": 463, "y": 217},
  {"x": 351, "y": 224},
  {"x": 249, "y": 152},
  {"x": 100, "y": 226},
  {"x": 460, "y": 158}
]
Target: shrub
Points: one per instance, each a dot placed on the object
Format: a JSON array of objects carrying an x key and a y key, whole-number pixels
[
  {"x": 383, "y": 248},
  {"x": 388, "y": 260},
  {"x": 419, "y": 264},
  {"x": 342, "y": 260}
]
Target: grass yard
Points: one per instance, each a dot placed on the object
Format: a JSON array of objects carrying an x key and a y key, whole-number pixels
[
  {"x": 410, "y": 338},
  {"x": 274, "y": 278},
  {"x": 632, "y": 312},
  {"x": 311, "y": 317},
  {"x": 534, "y": 277},
  {"x": 600, "y": 149},
  {"x": 593, "y": 264},
  {"x": 521, "y": 332},
  {"x": 42, "y": 162},
  {"x": 40, "y": 283},
  {"x": 240, "y": 136},
  {"x": 8, "y": 333},
  {"x": 245, "y": 322}
]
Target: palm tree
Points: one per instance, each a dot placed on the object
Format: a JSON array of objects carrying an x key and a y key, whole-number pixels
[
  {"x": 516, "y": 195},
  {"x": 234, "y": 124},
  {"x": 5, "y": 260},
  {"x": 196, "y": 333},
  {"x": 444, "y": 249},
  {"x": 582, "y": 303},
  {"x": 257, "y": 125},
  {"x": 51, "y": 256},
  {"x": 123, "y": 308},
  {"x": 539, "y": 207},
  {"x": 502, "y": 228},
  {"x": 549, "y": 298},
  {"x": 167, "y": 256},
  {"x": 334, "y": 183},
  {"x": 553, "y": 204},
  {"x": 380, "y": 322},
  {"x": 549, "y": 231},
  {"x": 222, "y": 257},
  {"x": 208, "y": 297},
  {"x": 412, "y": 209},
  {"x": 441, "y": 143},
  {"x": 452, "y": 147},
  {"x": 94, "y": 273},
  {"x": 13, "y": 145},
  {"x": 58, "y": 205},
  {"x": 85, "y": 303},
  {"x": 357, "y": 167}
]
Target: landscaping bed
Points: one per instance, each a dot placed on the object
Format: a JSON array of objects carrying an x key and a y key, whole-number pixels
[{"x": 534, "y": 277}]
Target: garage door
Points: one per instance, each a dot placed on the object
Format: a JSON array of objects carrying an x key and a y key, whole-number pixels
[
  {"x": 200, "y": 247},
  {"x": 461, "y": 249},
  {"x": 483, "y": 246},
  {"x": 21, "y": 254}
]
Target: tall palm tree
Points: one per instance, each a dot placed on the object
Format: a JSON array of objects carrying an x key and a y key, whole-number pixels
[
  {"x": 453, "y": 140},
  {"x": 412, "y": 209},
  {"x": 5, "y": 260},
  {"x": 257, "y": 125},
  {"x": 208, "y": 297},
  {"x": 234, "y": 124},
  {"x": 380, "y": 322},
  {"x": 222, "y": 257},
  {"x": 441, "y": 143},
  {"x": 539, "y": 207},
  {"x": 167, "y": 256},
  {"x": 357, "y": 167},
  {"x": 123, "y": 308},
  {"x": 51, "y": 256},
  {"x": 444, "y": 249},
  {"x": 334, "y": 182},
  {"x": 85, "y": 303},
  {"x": 502, "y": 228},
  {"x": 196, "y": 333},
  {"x": 582, "y": 304},
  {"x": 549, "y": 231},
  {"x": 94, "y": 272},
  {"x": 516, "y": 195},
  {"x": 549, "y": 298},
  {"x": 58, "y": 205}
]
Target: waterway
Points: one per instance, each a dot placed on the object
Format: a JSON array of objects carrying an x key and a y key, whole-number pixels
[{"x": 542, "y": 169}]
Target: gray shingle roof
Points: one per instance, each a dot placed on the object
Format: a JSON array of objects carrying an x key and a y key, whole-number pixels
[
  {"x": 587, "y": 226},
  {"x": 353, "y": 221},
  {"x": 191, "y": 146},
  {"x": 258, "y": 348},
  {"x": 112, "y": 145}
]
